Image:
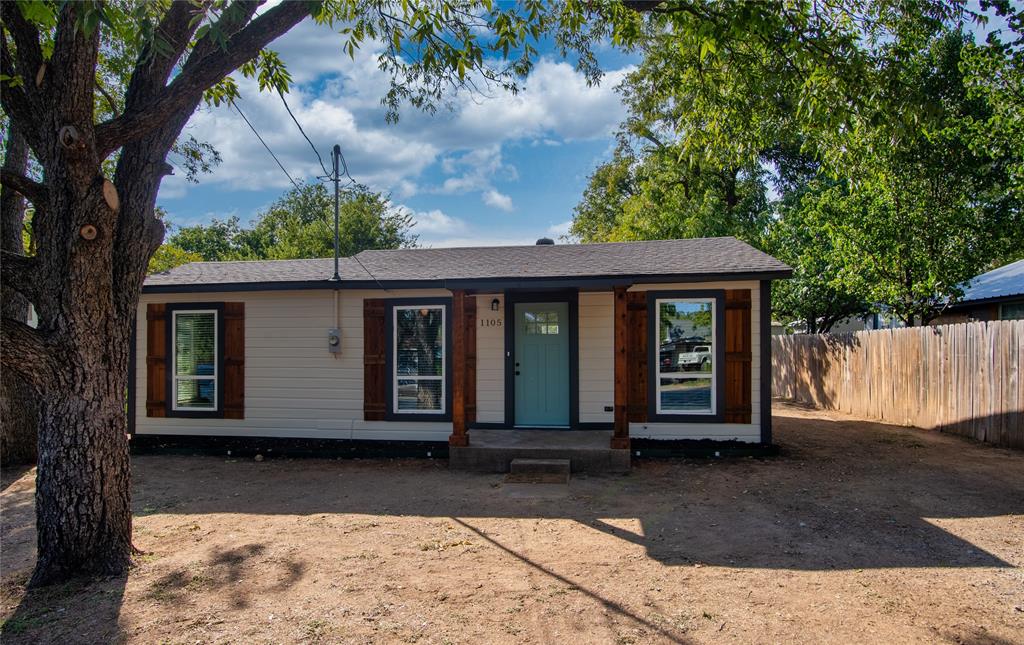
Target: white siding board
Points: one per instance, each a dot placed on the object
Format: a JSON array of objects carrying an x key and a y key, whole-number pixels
[
  {"x": 755, "y": 340},
  {"x": 490, "y": 361},
  {"x": 294, "y": 387},
  {"x": 597, "y": 356}
]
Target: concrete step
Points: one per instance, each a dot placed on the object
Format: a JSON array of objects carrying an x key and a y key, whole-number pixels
[
  {"x": 538, "y": 466},
  {"x": 539, "y": 471}
]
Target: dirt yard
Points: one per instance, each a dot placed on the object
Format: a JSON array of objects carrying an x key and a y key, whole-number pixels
[{"x": 859, "y": 532}]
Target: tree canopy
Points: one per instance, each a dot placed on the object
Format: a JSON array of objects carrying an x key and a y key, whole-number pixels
[
  {"x": 300, "y": 224},
  {"x": 881, "y": 157}
]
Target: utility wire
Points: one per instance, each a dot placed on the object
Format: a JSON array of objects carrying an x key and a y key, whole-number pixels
[
  {"x": 299, "y": 126},
  {"x": 279, "y": 164}
]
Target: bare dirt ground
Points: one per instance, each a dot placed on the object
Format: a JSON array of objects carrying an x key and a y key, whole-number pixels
[{"x": 858, "y": 532}]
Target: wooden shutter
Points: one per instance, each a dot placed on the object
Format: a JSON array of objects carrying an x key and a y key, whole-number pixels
[
  {"x": 374, "y": 360},
  {"x": 470, "y": 394},
  {"x": 738, "y": 347},
  {"x": 234, "y": 360},
  {"x": 636, "y": 355},
  {"x": 156, "y": 360}
]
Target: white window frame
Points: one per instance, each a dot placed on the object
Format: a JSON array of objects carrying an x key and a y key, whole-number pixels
[
  {"x": 405, "y": 377},
  {"x": 684, "y": 375},
  {"x": 175, "y": 377}
]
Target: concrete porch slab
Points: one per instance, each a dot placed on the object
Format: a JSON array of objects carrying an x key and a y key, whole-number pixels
[{"x": 492, "y": 451}]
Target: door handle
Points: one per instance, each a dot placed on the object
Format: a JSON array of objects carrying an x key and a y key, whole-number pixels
[{"x": 517, "y": 372}]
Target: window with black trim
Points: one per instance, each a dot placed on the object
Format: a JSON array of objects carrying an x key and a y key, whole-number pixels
[
  {"x": 687, "y": 362},
  {"x": 196, "y": 364},
  {"x": 419, "y": 359}
]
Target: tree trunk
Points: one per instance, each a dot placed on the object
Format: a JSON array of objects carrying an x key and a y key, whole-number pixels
[
  {"x": 83, "y": 513},
  {"x": 19, "y": 417},
  {"x": 94, "y": 239}
]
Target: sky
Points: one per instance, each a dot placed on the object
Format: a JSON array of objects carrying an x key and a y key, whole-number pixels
[{"x": 493, "y": 169}]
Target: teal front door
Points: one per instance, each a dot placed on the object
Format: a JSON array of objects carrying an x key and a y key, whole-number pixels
[{"x": 542, "y": 364}]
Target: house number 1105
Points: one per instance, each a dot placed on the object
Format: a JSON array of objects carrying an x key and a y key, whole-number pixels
[{"x": 490, "y": 322}]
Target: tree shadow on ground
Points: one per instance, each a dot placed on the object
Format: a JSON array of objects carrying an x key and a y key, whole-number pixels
[
  {"x": 222, "y": 572},
  {"x": 844, "y": 495},
  {"x": 39, "y": 617}
]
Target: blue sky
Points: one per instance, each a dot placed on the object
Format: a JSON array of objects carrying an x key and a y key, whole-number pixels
[{"x": 497, "y": 169}]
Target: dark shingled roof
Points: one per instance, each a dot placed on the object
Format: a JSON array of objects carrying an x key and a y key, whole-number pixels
[{"x": 691, "y": 258}]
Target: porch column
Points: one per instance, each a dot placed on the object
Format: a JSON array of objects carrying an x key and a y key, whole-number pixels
[
  {"x": 459, "y": 436},
  {"x": 620, "y": 437}
]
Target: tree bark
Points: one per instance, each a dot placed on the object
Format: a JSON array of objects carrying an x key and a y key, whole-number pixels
[
  {"x": 85, "y": 288},
  {"x": 19, "y": 417}
]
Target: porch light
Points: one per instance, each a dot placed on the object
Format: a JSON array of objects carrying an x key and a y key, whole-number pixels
[{"x": 495, "y": 304}]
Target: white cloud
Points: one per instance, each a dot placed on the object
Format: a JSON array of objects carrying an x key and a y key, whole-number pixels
[
  {"x": 498, "y": 200},
  {"x": 337, "y": 100},
  {"x": 558, "y": 230},
  {"x": 478, "y": 240},
  {"x": 435, "y": 221}
]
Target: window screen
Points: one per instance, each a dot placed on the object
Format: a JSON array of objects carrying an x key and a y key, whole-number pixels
[
  {"x": 195, "y": 360},
  {"x": 419, "y": 359},
  {"x": 686, "y": 356}
]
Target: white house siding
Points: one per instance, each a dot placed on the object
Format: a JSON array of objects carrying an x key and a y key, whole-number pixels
[
  {"x": 490, "y": 360},
  {"x": 294, "y": 387},
  {"x": 717, "y": 431},
  {"x": 597, "y": 356}
]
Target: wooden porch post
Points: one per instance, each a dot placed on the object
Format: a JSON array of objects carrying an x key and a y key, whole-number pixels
[
  {"x": 459, "y": 436},
  {"x": 620, "y": 437}
]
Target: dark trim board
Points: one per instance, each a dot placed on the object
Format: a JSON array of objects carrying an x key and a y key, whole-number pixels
[
  {"x": 653, "y": 352},
  {"x": 246, "y": 447},
  {"x": 169, "y": 411},
  {"x": 697, "y": 448},
  {"x": 580, "y": 427},
  {"x": 479, "y": 284},
  {"x": 389, "y": 361},
  {"x": 570, "y": 296},
  {"x": 766, "y": 361}
]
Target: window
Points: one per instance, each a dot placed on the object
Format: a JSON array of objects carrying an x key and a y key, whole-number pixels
[
  {"x": 419, "y": 359},
  {"x": 541, "y": 322},
  {"x": 687, "y": 359},
  {"x": 1012, "y": 311},
  {"x": 195, "y": 359}
]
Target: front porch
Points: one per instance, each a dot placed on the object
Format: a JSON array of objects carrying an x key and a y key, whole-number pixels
[{"x": 493, "y": 450}]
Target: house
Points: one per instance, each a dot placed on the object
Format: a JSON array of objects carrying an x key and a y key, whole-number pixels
[
  {"x": 996, "y": 295},
  {"x": 455, "y": 345}
]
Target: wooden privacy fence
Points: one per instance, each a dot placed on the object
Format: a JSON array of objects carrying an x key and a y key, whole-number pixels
[{"x": 967, "y": 379}]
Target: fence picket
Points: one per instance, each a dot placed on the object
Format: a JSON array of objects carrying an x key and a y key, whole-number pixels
[{"x": 965, "y": 379}]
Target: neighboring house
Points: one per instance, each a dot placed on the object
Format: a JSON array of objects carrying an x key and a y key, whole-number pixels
[
  {"x": 430, "y": 345},
  {"x": 881, "y": 320},
  {"x": 996, "y": 295}
]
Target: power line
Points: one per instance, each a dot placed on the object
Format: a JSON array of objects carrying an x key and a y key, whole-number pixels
[
  {"x": 299, "y": 126},
  {"x": 279, "y": 164}
]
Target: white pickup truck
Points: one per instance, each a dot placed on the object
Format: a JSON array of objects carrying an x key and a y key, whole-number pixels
[{"x": 698, "y": 359}]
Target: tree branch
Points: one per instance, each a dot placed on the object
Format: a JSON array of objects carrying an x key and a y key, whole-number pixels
[
  {"x": 15, "y": 100},
  {"x": 32, "y": 191},
  {"x": 200, "y": 76},
  {"x": 27, "y": 352},
  {"x": 26, "y": 38},
  {"x": 17, "y": 272},
  {"x": 152, "y": 69}
]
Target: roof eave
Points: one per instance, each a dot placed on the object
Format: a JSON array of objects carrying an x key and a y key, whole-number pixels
[{"x": 590, "y": 282}]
